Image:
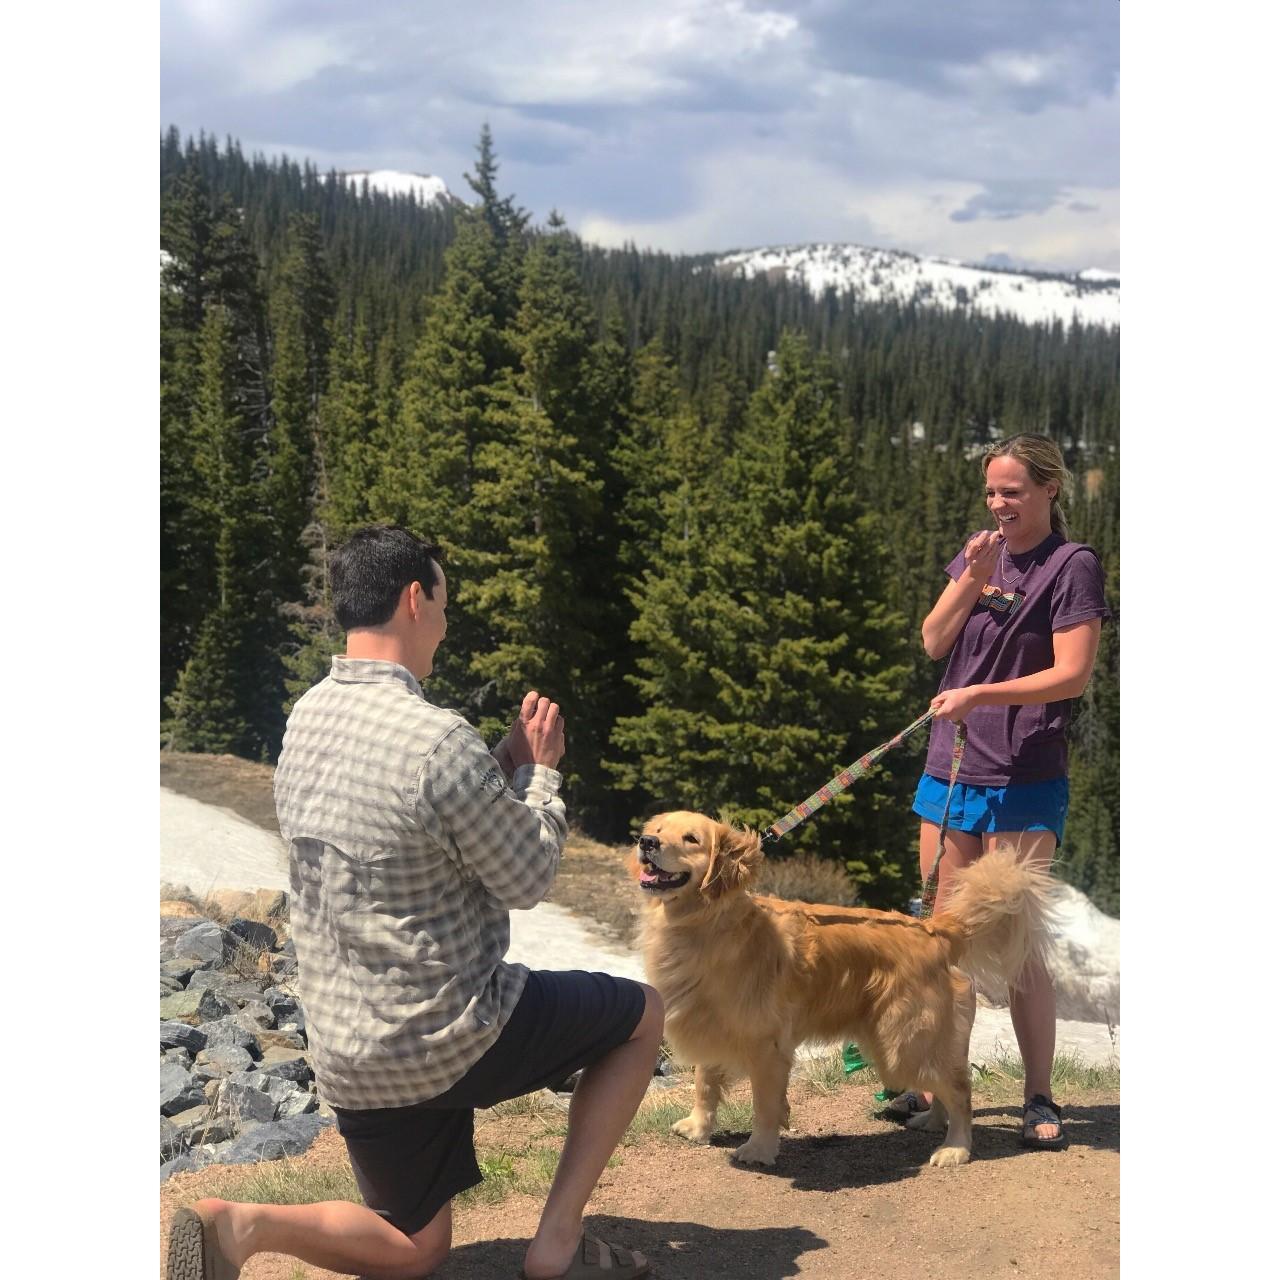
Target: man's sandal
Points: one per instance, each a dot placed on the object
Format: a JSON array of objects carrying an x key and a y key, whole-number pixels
[
  {"x": 904, "y": 1106},
  {"x": 595, "y": 1259},
  {"x": 194, "y": 1252},
  {"x": 1041, "y": 1110}
]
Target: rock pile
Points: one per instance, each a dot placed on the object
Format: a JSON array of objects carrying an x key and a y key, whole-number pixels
[{"x": 235, "y": 1083}]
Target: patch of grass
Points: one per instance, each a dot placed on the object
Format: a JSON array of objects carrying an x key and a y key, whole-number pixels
[
  {"x": 537, "y": 1170},
  {"x": 656, "y": 1114},
  {"x": 1004, "y": 1074},
  {"x": 498, "y": 1169},
  {"x": 286, "y": 1182},
  {"x": 808, "y": 878},
  {"x": 734, "y": 1115},
  {"x": 533, "y": 1105},
  {"x": 826, "y": 1075}
]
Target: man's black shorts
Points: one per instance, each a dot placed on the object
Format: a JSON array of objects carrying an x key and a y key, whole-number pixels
[{"x": 410, "y": 1161}]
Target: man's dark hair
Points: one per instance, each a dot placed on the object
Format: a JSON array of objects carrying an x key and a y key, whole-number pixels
[{"x": 370, "y": 570}]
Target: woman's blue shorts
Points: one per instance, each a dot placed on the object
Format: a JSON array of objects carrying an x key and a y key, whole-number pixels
[{"x": 1025, "y": 806}]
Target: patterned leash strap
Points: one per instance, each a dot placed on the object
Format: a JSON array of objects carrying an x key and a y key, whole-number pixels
[
  {"x": 929, "y": 893},
  {"x": 844, "y": 779}
]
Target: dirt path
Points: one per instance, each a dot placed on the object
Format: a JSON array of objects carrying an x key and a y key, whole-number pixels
[{"x": 850, "y": 1196}]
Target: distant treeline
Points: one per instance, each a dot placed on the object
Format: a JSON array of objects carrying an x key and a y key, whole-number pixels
[{"x": 706, "y": 513}]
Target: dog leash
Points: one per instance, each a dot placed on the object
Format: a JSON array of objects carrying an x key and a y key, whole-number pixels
[{"x": 859, "y": 768}]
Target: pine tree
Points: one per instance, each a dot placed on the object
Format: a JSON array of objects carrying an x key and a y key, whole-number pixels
[
  {"x": 207, "y": 263},
  {"x": 769, "y": 652},
  {"x": 348, "y": 453},
  {"x": 537, "y": 514},
  {"x": 209, "y": 709}
]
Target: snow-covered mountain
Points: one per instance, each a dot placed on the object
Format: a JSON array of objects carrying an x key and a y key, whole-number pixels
[
  {"x": 425, "y": 186},
  {"x": 882, "y": 275}
]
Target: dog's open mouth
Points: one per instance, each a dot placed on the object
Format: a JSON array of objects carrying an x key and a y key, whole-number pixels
[{"x": 653, "y": 878}]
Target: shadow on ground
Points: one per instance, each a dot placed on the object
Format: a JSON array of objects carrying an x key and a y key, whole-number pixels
[
  {"x": 676, "y": 1250},
  {"x": 833, "y": 1162}
]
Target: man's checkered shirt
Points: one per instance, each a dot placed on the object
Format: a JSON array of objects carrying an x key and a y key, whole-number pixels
[{"x": 407, "y": 849}]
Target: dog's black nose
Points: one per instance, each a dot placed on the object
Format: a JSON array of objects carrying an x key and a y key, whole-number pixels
[{"x": 648, "y": 844}]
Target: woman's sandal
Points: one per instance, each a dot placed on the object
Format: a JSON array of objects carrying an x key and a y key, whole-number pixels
[
  {"x": 595, "y": 1258},
  {"x": 904, "y": 1106},
  {"x": 1041, "y": 1110}
]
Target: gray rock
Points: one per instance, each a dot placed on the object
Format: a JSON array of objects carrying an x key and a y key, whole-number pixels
[
  {"x": 202, "y": 1125},
  {"x": 229, "y": 1031},
  {"x": 228, "y": 985},
  {"x": 182, "y": 1004},
  {"x": 195, "y": 1002},
  {"x": 289, "y": 1137},
  {"x": 283, "y": 966},
  {"x": 284, "y": 1036},
  {"x": 261, "y": 937},
  {"x": 180, "y": 969},
  {"x": 255, "y": 1016},
  {"x": 172, "y": 1143},
  {"x": 168, "y": 986},
  {"x": 222, "y": 1060},
  {"x": 213, "y": 1005},
  {"x": 278, "y": 1090},
  {"x": 242, "y": 1101},
  {"x": 284, "y": 1004},
  {"x": 295, "y": 1068},
  {"x": 180, "y": 1056},
  {"x": 299, "y": 1103},
  {"x": 206, "y": 942},
  {"x": 173, "y": 927},
  {"x": 288, "y": 949},
  {"x": 180, "y": 1035},
  {"x": 178, "y": 1090},
  {"x": 182, "y": 1165}
]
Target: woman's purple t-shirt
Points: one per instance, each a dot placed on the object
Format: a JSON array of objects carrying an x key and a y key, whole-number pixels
[{"x": 1010, "y": 634}]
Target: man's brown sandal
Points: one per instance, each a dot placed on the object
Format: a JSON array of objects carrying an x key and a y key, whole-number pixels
[
  {"x": 193, "y": 1250},
  {"x": 596, "y": 1259}
]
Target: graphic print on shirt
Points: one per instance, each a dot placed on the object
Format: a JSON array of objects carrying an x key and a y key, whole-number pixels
[{"x": 1000, "y": 601}]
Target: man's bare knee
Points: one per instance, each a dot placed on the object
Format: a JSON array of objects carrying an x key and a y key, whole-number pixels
[
  {"x": 432, "y": 1243},
  {"x": 650, "y": 1025}
]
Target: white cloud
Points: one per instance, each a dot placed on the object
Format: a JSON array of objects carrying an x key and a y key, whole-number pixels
[{"x": 691, "y": 124}]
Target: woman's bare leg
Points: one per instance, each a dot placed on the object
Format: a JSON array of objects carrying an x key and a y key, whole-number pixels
[{"x": 1032, "y": 1000}]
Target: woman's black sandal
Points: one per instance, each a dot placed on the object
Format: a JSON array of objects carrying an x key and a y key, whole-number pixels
[{"x": 1041, "y": 1110}]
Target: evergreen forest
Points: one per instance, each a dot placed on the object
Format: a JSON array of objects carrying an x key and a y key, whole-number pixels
[{"x": 705, "y": 513}]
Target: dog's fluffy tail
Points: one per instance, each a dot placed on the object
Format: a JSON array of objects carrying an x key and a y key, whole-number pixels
[{"x": 1004, "y": 911}]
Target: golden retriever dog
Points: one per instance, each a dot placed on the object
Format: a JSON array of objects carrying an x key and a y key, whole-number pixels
[{"x": 746, "y": 979}]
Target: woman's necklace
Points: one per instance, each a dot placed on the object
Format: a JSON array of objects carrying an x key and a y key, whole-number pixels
[{"x": 1005, "y": 559}]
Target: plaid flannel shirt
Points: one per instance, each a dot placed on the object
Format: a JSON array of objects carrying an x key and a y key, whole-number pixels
[{"x": 407, "y": 849}]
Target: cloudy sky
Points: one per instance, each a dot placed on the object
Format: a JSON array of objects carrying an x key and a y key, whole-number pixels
[{"x": 979, "y": 129}]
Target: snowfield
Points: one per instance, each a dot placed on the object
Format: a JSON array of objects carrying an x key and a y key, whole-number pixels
[{"x": 885, "y": 275}]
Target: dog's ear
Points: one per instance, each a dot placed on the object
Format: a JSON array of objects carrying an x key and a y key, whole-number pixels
[{"x": 735, "y": 858}]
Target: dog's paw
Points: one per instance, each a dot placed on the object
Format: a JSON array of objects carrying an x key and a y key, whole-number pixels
[
  {"x": 757, "y": 1150},
  {"x": 931, "y": 1121},
  {"x": 691, "y": 1128},
  {"x": 949, "y": 1157}
]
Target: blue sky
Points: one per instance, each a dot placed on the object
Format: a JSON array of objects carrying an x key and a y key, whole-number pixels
[{"x": 979, "y": 129}]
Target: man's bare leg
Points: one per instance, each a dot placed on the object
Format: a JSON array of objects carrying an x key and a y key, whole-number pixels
[
  {"x": 335, "y": 1234},
  {"x": 606, "y": 1098}
]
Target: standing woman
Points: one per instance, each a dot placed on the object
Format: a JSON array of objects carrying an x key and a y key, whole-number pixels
[{"x": 1019, "y": 623}]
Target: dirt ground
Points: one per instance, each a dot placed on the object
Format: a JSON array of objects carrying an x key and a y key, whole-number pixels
[{"x": 850, "y": 1194}]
